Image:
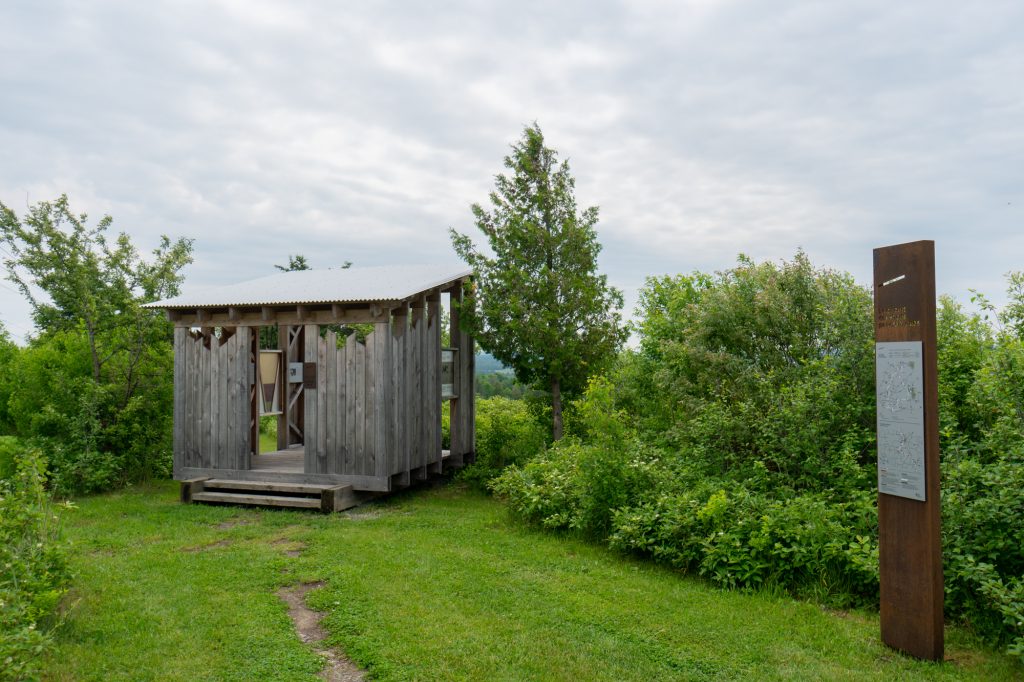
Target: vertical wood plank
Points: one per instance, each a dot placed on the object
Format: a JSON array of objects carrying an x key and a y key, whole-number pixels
[
  {"x": 223, "y": 435},
  {"x": 199, "y": 408},
  {"x": 339, "y": 410},
  {"x": 370, "y": 400},
  {"x": 199, "y": 378},
  {"x": 470, "y": 386},
  {"x": 413, "y": 384},
  {"x": 251, "y": 351},
  {"x": 286, "y": 394},
  {"x": 398, "y": 331},
  {"x": 467, "y": 360},
  {"x": 382, "y": 334},
  {"x": 229, "y": 423},
  {"x": 242, "y": 410},
  {"x": 186, "y": 403},
  {"x": 310, "y": 397},
  {"x": 387, "y": 466},
  {"x": 408, "y": 437},
  {"x": 330, "y": 399},
  {"x": 237, "y": 419},
  {"x": 204, "y": 416},
  {"x": 360, "y": 395},
  {"x": 432, "y": 394},
  {"x": 321, "y": 405},
  {"x": 177, "y": 447},
  {"x": 235, "y": 426},
  {"x": 351, "y": 460},
  {"x": 455, "y": 405},
  {"x": 192, "y": 370},
  {"x": 216, "y": 390}
]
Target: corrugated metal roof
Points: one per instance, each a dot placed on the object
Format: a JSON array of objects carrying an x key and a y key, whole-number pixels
[{"x": 351, "y": 285}]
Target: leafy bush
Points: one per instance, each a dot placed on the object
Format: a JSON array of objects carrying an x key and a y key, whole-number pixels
[
  {"x": 506, "y": 433},
  {"x": 93, "y": 387},
  {"x": 95, "y": 435},
  {"x": 9, "y": 448},
  {"x": 33, "y": 572},
  {"x": 738, "y": 443},
  {"x": 760, "y": 366},
  {"x": 446, "y": 425},
  {"x": 8, "y": 354},
  {"x": 983, "y": 545},
  {"x": 268, "y": 425}
]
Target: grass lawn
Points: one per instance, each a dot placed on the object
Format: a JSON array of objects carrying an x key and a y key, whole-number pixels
[
  {"x": 431, "y": 585},
  {"x": 268, "y": 442}
]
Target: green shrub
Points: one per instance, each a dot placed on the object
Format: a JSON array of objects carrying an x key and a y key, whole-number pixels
[
  {"x": 268, "y": 425},
  {"x": 738, "y": 443},
  {"x": 546, "y": 490},
  {"x": 763, "y": 365},
  {"x": 96, "y": 435},
  {"x": 9, "y": 447},
  {"x": 33, "y": 572},
  {"x": 506, "y": 434},
  {"x": 446, "y": 425},
  {"x": 983, "y": 545},
  {"x": 578, "y": 484}
]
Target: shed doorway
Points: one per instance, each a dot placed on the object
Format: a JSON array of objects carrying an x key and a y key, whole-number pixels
[{"x": 279, "y": 445}]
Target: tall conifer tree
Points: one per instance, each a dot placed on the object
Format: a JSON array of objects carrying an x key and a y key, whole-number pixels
[{"x": 541, "y": 307}]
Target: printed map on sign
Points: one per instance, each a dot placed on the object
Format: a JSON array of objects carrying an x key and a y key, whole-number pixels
[{"x": 900, "y": 395}]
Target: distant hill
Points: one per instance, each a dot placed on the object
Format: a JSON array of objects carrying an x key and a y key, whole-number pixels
[{"x": 487, "y": 364}]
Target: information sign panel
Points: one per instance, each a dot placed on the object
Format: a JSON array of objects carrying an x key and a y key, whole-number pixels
[
  {"x": 900, "y": 393},
  {"x": 909, "y": 520}
]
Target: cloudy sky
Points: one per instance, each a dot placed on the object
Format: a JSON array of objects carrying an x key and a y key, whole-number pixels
[{"x": 362, "y": 131}]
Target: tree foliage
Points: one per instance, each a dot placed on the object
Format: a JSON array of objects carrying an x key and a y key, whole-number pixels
[
  {"x": 738, "y": 442},
  {"x": 299, "y": 262},
  {"x": 541, "y": 306},
  {"x": 95, "y": 381},
  {"x": 90, "y": 282}
]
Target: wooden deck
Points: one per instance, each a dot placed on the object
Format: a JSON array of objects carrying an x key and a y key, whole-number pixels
[
  {"x": 292, "y": 461},
  {"x": 276, "y": 479},
  {"x": 280, "y": 461}
]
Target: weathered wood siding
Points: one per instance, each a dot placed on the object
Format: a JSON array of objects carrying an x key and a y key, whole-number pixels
[
  {"x": 290, "y": 423},
  {"x": 347, "y": 416},
  {"x": 462, "y": 408},
  {"x": 431, "y": 400},
  {"x": 372, "y": 414},
  {"x": 376, "y": 411},
  {"x": 212, "y": 388}
]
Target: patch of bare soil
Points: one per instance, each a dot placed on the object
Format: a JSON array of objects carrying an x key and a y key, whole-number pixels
[
  {"x": 206, "y": 547},
  {"x": 363, "y": 515},
  {"x": 233, "y": 523},
  {"x": 292, "y": 548},
  {"x": 338, "y": 668}
]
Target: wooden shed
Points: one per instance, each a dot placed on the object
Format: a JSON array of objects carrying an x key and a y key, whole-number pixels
[{"x": 355, "y": 410}]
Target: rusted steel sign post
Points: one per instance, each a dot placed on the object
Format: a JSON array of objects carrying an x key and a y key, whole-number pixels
[{"x": 909, "y": 522}]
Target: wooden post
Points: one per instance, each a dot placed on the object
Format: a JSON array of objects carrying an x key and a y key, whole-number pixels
[
  {"x": 455, "y": 432},
  {"x": 909, "y": 521},
  {"x": 414, "y": 379},
  {"x": 311, "y": 374},
  {"x": 286, "y": 393},
  {"x": 401, "y": 462},
  {"x": 253, "y": 358}
]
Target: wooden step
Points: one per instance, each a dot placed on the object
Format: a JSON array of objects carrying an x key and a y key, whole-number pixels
[
  {"x": 269, "y": 486},
  {"x": 260, "y": 500},
  {"x": 326, "y": 498}
]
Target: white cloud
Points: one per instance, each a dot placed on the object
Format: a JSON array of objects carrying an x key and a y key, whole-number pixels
[{"x": 362, "y": 132}]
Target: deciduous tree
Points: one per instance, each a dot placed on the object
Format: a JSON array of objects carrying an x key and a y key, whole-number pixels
[{"x": 95, "y": 381}]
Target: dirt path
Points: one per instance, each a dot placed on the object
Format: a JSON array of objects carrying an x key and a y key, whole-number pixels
[{"x": 338, "y": 667}]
